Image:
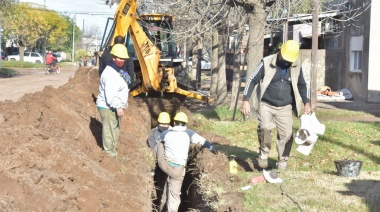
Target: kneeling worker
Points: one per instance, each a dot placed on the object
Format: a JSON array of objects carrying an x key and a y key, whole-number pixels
[{"x": 172, "y": 155}]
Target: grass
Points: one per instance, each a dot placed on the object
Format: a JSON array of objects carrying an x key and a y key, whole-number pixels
[
  {"x": 7, "y": 71},
  {"x": 311, "y": 182},
  {"x": 18, "y": 64}
]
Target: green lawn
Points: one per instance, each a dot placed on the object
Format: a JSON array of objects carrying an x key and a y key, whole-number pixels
[
  {"x": 311, "y": 182},
  {"x": 19, "y": 64}
]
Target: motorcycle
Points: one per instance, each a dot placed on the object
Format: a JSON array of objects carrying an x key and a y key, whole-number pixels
[{"x": 50, "y": 69}]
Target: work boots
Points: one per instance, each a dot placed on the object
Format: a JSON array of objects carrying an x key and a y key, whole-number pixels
[
  {"x": 282, "y": 165},
  {"x": 262, "y": 163}
]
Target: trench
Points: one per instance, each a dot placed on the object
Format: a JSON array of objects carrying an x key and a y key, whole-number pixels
[{"x": 190, "y": 199}]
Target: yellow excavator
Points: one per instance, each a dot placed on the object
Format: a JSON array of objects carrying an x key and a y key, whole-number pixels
[{"x": 150, "y": 41}]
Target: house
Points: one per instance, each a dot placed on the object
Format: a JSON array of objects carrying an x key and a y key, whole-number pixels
[
  {"x": 352, "y": 55},
  {"x": 349, "y": 36}
]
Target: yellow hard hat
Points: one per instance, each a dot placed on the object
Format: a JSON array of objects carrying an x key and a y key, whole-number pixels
[
  {"x": 120, "y": 51},
  {"x": 181, "y": 116},
  {"x": 163, "y": 118},
  {"x": 290, "y": 50}
]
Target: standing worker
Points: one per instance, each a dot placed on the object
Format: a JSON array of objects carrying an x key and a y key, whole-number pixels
[
  {"x": 172, "y": 155},
  {"x": 112, "y": 98},
  {"x": 128, "y": 66},
  {"x": 282, "y": 87}
]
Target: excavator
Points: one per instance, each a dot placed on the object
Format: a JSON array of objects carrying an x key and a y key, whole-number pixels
[{"x": 150, "y": 41}]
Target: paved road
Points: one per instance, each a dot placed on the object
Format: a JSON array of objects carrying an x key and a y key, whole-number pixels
[{"x": 32, "y": 80}]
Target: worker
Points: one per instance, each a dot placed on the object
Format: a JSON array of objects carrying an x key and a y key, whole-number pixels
[
  {"x": 155, "y": 134},
  {"x": 172, "y": 155},
  {"x": 112, "y": 98},
  {"x": 128, "y": 67},
  {"x": 282, "y": 87},
  {"x": 160, "y": 177}
]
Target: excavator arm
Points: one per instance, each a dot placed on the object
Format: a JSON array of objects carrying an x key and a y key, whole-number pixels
[{"x": 155, "y": 77}]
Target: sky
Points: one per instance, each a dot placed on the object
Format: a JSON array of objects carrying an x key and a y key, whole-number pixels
[{"x": 89, "y": 13}]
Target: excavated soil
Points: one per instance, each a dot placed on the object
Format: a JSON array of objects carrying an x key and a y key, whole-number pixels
[{"x": 52, "y": 157}]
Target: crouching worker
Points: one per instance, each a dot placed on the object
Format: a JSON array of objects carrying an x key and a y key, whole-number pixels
[
  {"x": 172, "y": 155},
  {"x": 155, "y": 134}
]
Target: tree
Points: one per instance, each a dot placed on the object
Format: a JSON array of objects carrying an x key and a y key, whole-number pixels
[
  {"x": 38, "y": 24},
  {"x": 90, "y": 36},
  {"x": 24, "y": 34},
  {"x": 51, "y": 29},
  {"x": 68, "y": 44}
]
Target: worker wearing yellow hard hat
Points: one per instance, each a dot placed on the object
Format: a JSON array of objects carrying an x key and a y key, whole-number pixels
[
  {"x": 282, "y": 85},
  {"x": 112, "y": 99},
  {"x": 155, "y": 133},
  {"x": 172, "y": 155}
]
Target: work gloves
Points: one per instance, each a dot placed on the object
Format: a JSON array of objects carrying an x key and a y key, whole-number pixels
[{"x": 210, "y": 147}]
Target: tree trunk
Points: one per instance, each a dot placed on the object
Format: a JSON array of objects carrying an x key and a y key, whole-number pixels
[
  {"x": 199, "y": 62},
  {"x": 236, "y": 83},
  {"x": 22, "y": 51},
  {"x": 197, "y": 45},
  {"x": 214, "y": 64},
  {"x": 221, "y": 91},
  {"x": 256, "y": 20}
]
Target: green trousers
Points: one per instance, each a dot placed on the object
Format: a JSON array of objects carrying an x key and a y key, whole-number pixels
[{"x": 110, "y": 130}]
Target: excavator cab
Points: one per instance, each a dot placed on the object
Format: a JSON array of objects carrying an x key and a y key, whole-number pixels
[{"x": 159, "y": 28}]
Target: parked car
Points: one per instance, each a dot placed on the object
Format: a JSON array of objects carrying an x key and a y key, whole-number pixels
[
  {"x": 205, "y": 64},
  {"x": 32, "y": 57},
  {"x": 58, "y": 56}
]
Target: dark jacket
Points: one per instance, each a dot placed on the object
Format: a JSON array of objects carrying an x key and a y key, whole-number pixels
[
  {"x": 268, "y": 74},
  {"x": 128, "y": 65}
]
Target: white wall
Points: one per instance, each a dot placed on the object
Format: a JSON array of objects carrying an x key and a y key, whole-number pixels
[{"x": 373, "y": 63}]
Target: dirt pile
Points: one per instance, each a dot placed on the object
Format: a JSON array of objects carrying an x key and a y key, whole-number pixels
[{"x": 52, "y": 158}]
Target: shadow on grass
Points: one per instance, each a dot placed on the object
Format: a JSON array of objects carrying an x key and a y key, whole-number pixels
[
  {"x": 371, "y": 156},
  {"x": 365, "y": 189},
  {"x": 211, "y": 114},
  {"x": 246, "y": 159}
]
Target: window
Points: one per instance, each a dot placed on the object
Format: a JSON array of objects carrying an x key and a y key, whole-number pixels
[{"x": 356, "y": 49}]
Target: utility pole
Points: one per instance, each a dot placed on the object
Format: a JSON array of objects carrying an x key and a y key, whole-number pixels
[
  {"x": 314, "y": 56},
  {"x": 287, "y": 22}
]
